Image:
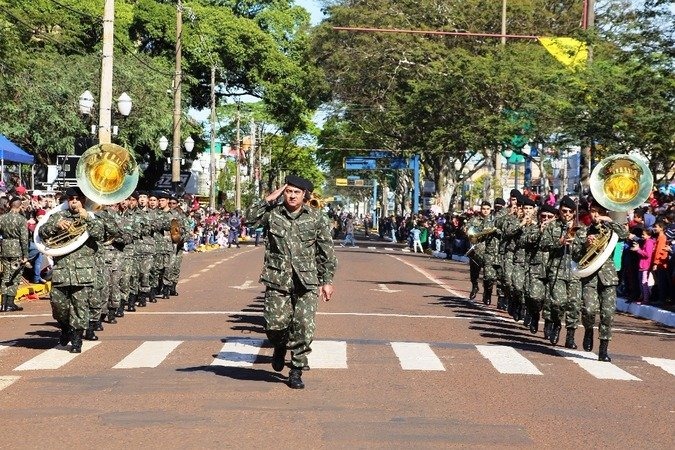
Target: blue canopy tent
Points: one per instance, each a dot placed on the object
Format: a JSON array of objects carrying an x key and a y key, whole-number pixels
[{"x": 11, "y": 152}]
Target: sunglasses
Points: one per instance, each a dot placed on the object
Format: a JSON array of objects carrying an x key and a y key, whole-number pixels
[
  {"x": 547, "y": 216},
  {"x": 565, "y": 210}
]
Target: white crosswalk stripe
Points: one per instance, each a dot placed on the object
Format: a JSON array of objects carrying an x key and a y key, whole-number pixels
[
  {"x": 507, "y": 360},
  {"x": 238, "y": 353},
  {"x": 599, "y": 369},
  {"x": 148, "y": 354},
  {"x": 666, "y": 364},
  {"x": 55, "y": 358},
  {"x": 7, "y": 381},
  {"x": 328, "y": 355},
  {"x": 416, "y": 356}
]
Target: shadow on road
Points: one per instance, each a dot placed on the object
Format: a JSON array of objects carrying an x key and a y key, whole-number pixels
[
  {"x": 239, "y": 373},
  {"x": 250, "y": 323},
  {"x": 41, "y": 339}
]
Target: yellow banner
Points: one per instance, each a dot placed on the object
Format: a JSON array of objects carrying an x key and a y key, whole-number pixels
[
  {"x": 569, "y": 51},
  {"x": 341, "y": 182}
]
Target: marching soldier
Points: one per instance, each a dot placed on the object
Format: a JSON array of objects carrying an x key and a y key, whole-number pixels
[
  {"x": 13, "y": 252},
  {"x": 536, "y": 286},
  {"x": 478, "y": 252},
  {"x": 73, "y": 274},
  {"x": 176, "y": 256},
  {"x": 508, "y": 228},
  {"x": 112, "y": 250},
  {"x": 494, "y": 274},
  {"x": 166, "y": 247},
  {"x": 145, "y": 248},
  {"x": 564, "y": 244},
  {"x": 599, "y": 289},
  {"x": 299, "y": 267}
]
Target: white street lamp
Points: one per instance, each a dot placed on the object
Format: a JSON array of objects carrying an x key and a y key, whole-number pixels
[
  {"x": 124, "y": 104},
  {"x": 507, "y": 153},
  {"x": 189, "y": 144},
  {"x": 163, "y": 143},
  {"x": 86, "y": 102}
]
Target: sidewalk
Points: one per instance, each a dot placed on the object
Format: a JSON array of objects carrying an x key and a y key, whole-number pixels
[{"x": 659, "y": 315}]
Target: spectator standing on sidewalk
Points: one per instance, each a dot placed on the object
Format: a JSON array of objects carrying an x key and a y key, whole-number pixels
[
  {"x": 234, "y": 223},
  {"x": 645, "y": 252},
  {"x": 349, "y": 232},
  {"x": 660, "y": 266}
]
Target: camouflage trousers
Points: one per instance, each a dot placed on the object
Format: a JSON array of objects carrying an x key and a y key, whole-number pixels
[
  {"x": 293, "y": 311},
  {"x": 145, "y": 264},
  {"x": 474, "y": 271},
  {"x": 518, "y": 277},
  {"x": 128, "y": 281},
  {"x": 507, "y": 270},
  {"x": 160, "y": 262},
  {"x": 172, "y": 271},
  {"x": 70, "y": 305},
  {"x": 565, "y": 301},
  {"x": 535, "y": 296},
  {"x": 97, "y": 298},
  {"x": 596, "y": 297},
  {"x": 11, "y": 275},
  {"x": 111, "y": 292}
]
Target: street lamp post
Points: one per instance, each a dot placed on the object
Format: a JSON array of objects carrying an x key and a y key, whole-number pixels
[{"x": 86, "y": 105}]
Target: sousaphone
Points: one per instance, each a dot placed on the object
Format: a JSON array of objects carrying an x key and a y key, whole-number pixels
[
  {"x": 619, "y": 183},
  {"x": 106, "y": 174}
]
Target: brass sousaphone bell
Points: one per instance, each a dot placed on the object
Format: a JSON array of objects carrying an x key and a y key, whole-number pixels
[
  {"x": 619, "y": 183},
  {"x": 106, "y": 174}
]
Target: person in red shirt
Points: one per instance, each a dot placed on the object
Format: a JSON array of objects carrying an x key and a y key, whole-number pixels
[{"x": 660, "y": 265}]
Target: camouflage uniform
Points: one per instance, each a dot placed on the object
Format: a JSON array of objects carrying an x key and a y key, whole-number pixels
[
  {"x": 172, "y": 273},
  {"x": 74, "y": 273},
  {"x": 536, "y": 284},
  {"x": 299, "y": 258},
  {"x": 477, "y": 251},
  {"x": 161, "y": 224},
  {"x": 599, "y": 290},
  {"x": 565, "y": 286},
  {"x": 129, "y": 280},
  {"x": 13, "y": 249},
  {"x": 519, "y": 274},
  {"x": 145, "y": 248},
  {"x": 508, "y": 227},
  {"x": 112, "y": 270}
]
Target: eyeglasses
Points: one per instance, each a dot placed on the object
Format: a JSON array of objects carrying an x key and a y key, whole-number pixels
[
  {"x": 565, "y": 210},
  {"x": 547, "y": 216}
]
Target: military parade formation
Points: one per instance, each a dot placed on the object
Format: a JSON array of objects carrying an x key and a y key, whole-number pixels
[
  {"x": 533, "y": 255},
  {"x": 107, "y": 259}
]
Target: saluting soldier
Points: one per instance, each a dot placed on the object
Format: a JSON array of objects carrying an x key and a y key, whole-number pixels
[
  {"x": 599, "y": 289},
  {"x": 564, "y": 244},
  {"x": 299, "y": 267},
  {"x": 74, "y": 272},
  {"x": 13, "y": 252}
]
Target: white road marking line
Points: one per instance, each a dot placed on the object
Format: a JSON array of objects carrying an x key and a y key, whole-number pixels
[
  {"x": 384, "y": 288},
  {"x": 666, "y": 364},
  {"x": 248, "y": 284},
  {"x": 507, "y": 360},
  {"x": 211, "y": 266},
  {"x": 372, "y": 248},
  {"x": 599, "y": 369},
  {"x": 55, "y": 358},
  {"x": 435, "y": 280},
  {"x": 6, "y": 381},
  {"x": 204, "y": 270},
  {"x": 328, "y": 355},
  {"x": 3, "y": 347},
  {"x": 389, "y": 249},
  {"x": 148, "y": 354},
  {"x": 416, "y": 356},
  {"x": 193, "y": 276},
  {"x": 238, "y": 353}
]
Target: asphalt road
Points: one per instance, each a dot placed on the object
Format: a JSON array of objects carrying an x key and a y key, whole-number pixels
[{"x": 401, "y": 359}]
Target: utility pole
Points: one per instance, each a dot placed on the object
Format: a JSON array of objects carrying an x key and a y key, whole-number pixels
[
  {"x": 586, "y": 152},
  {"x": 105, "y": 98},
  {"x": 177, "y": 82},
  {"x": 498, "y": 161},
  {"x": 212, "y": 162},
  {"x": 254, "y": 156},
  {"x": 237, "y": 175}
]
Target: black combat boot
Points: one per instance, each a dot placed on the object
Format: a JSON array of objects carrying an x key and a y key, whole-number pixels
[
  {"x": 153, "y": 295},
  {"x": 602, "y": 353},
  {"x": 588, "y": 339},
  {"x": 76, "y": 340},
  {"x": 295, "y": 379},
  {"x": 165, "y": 291},
  {"x": 173, "y": 289},
  {"x": 131, "y": 303},
  {"x": 110, "y": 318},
  {"x": 279, "y": 339},
  {"x": 534, "y": 323},
  {"x": 66, "y": 334},
  {"x": 547, "y": 329},
  {"x": 487, "y": 293},
  {"x": 554, "y": 335},
  {"x": 89, "y": 333},
  {"x": 3, "y": 307},
  {"x": 527, "y": 318},
  {"x": 569, "y": 340},
  {"x": 120, "y": 310},
  {"x": 99, "y": 324},
  {"x": 474, "y": 291},
  {"x": 142, "y": 299},
  {"x": 11, "y": 306},
  {"x": 501, "y": 301}
]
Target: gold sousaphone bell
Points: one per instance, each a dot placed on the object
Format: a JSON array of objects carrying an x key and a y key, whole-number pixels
[
  {"x": 106, "y": 174},
  {"x": 619, "y": 183}
]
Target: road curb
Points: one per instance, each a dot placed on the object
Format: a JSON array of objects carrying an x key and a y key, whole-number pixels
[{"x": 653, "y": 313}]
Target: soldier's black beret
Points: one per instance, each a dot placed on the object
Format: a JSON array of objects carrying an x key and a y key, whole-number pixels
[
  {"x": 146, "y": 193},
  {"x": 300, "y": 182},
  {"x": 135, "y": 195},
  {"x": 15, "y": 199},
  {"x": 549, "y": 209},
  {"x": 527, "y": 201},
  {"x": 486, "y": 203},
  {"x": 74, "y": 191},
  {"x": 593, "y": 203},
  {"x": 567, "y": 202},
  {"x": 162, "y": 194},
  {"x": 514, "y": 193},
  {"x": 500, "y": 201}
]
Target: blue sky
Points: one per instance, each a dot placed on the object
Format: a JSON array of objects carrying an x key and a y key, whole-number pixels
[{"x": 314, "y": 9}]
